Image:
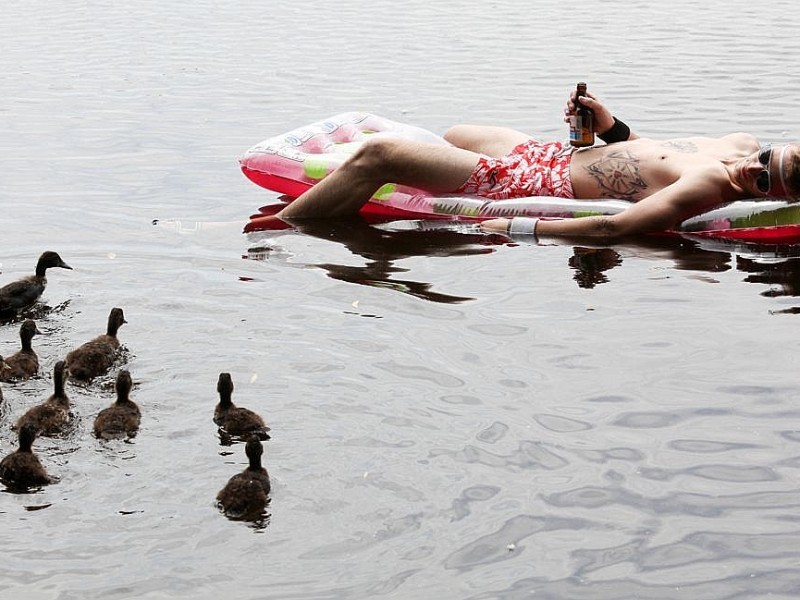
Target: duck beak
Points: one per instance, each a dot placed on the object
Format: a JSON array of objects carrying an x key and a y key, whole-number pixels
[{"x": 64, "y": 265}]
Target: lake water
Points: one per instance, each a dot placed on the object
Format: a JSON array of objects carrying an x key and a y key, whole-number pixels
[{"x": 451, "y": 418}]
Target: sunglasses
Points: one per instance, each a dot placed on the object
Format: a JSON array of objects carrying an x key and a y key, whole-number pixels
[{"x": 764, "y": 180}]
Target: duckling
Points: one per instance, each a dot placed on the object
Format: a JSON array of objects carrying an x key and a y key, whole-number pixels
[
  {"x": 21, "y": 294},
  {"x": 96, "y": 356},
  {"x": 21, "y": 468},
  {"x": 246, "y": 494},
  {"x": 52, "y": 416},
  {"x": 122, "y": 418},
  {"x": 5, "y": 370},
  {"x": 233, "y": 420},
  {"x": 23, "y": 364}
]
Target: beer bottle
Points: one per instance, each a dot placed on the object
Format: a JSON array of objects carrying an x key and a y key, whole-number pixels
[{"x": 581, "y": 122}]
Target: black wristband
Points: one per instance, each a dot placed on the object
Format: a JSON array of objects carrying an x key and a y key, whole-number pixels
[{"x": 619, "y": 132}]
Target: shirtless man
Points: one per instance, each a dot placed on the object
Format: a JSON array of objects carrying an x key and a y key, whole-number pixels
[{"x": 668, "y": 181}]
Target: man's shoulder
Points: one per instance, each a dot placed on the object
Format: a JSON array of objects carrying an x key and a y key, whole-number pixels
[
  {"x": 743, "y": 141},
  {"x": 706, "y": 183}
]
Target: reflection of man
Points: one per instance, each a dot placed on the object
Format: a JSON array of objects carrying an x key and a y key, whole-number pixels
[
  {"x": 382, "y": 248},
  {"x": 668, "y": 181},
  {"x": 589, "y": 264}
]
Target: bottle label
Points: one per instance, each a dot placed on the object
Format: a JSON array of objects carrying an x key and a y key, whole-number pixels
[{"x": 581, "y": 129}]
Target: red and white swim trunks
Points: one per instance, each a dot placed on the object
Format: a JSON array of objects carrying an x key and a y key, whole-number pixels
[{"x": 533, "y": 168}]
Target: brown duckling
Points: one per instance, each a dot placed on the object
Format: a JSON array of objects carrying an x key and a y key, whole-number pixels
[
  {"x": 4, "y": 369},
  {"x": 21, "y": 294},
  {"x": 246, "y": 494},
  {"x": 52, "y": 416},
  {"x": 122, "y": 418},
  {"x": 21, "y": 468},
  {"x": 233, "y": 420},
  {"x": 95, "y": 357},
  {"x": 23, "y": 364}
]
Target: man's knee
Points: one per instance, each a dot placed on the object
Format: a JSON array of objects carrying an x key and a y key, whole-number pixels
[
  {"x": 459, "y": 135},
  {"x": 375, "y": 156},
  {"x": 475, "y": 138},
  {"x": 483, "y": 139}
]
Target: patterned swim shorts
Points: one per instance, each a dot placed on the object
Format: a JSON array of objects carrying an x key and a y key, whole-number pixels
[{"x": 531, "y": 169}]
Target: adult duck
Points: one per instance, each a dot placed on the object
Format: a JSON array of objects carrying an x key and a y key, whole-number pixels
[
  {"x": 95, "y": 357},
  {"x": 24, "y": 363},
  {"x": 23, "y": 293}
]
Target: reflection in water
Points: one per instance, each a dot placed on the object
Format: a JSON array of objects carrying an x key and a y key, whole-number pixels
[
  {"x": 38, "y": 312},
  {"x": 258, "y": 522},
  {"x": 381, "y": 246},
  {"x": 774, "y": 266},
  {"x": 780, "y": 273},
  {"x": 589, "y": 264},
  {"x": 592, "y": 263}
]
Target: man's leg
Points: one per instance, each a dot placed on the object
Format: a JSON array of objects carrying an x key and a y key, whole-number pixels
[
  {"x": 491, "y": 141},
  {"x": 432, "y": 167}
]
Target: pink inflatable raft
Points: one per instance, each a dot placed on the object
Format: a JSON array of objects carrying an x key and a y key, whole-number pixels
[{"x": 293, "y": 162}]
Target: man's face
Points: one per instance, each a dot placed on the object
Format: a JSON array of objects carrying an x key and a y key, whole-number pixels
[{"x": 766, "y": 172}]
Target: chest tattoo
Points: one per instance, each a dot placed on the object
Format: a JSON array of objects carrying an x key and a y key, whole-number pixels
[
  {"x": 617, "y": 175},
  {"x": 684, "y": 146}
]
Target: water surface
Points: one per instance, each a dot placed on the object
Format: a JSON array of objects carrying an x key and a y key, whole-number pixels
[{"x": 452, "y": 418}]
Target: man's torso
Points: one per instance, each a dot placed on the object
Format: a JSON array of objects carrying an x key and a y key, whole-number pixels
[{"x": 638, "y": 168}]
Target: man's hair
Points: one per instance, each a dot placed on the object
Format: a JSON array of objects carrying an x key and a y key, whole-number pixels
[{"x": 791, "y": 172}]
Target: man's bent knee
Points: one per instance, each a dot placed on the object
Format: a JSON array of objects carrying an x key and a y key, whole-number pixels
[
  {"x": 483, "y": 139},
  {"x": 374, "y": 155},
  {"x": 385, "y": 159},
  {"x": 434, "y": 167},
  {"x": 459, "y": 135}
]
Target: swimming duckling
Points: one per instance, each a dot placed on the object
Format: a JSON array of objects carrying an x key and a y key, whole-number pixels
[
  {"x": 233, "y": 420},
  {"x": 4, "y": 369},
  {"x": 246, "y": 494},
  {"x": 122, "y": 418},
  {"x": 96, "y": 356},
  {"x": 22, "y": 468},
  {"x": 21, "y": 294},
  {"x": 23, "y": 364},
  {"x": 52, "y": 416}
]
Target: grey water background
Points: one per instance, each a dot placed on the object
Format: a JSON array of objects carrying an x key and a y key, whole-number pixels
[{"x": 452, "y": 418}]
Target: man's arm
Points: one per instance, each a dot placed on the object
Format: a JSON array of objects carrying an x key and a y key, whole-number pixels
[
  {"x": 662, "y": 211},
  {"x": 603, "y": 119}
]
